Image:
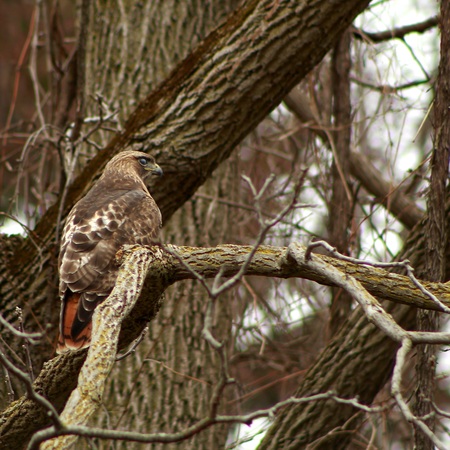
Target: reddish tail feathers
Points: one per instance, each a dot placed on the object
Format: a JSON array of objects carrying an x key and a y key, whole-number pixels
[{"x": 66, "y": 340}]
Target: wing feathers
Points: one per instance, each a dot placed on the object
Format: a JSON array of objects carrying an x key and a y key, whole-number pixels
[{"x": 98, "y": 226}]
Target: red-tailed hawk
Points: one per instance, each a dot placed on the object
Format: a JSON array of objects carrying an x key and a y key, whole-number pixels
[{"x": 118, "y": 210}]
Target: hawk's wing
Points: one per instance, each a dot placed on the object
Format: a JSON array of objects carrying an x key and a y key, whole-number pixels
[{"x": 95, "y": 230}]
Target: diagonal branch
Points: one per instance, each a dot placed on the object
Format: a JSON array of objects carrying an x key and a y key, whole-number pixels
[
  {"x": 108, "y": 316},
  {"x": 210, "y": 102}
]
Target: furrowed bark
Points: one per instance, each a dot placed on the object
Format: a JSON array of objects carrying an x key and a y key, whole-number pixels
[{"x": 436, "y": 231}]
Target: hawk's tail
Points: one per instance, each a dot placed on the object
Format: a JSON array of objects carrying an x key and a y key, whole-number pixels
[{"x": 66, "y": 340}]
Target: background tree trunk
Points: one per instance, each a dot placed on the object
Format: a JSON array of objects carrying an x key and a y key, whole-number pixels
[
  {"x": 436, "y": 231},
  {"x": 341, "y": 203}
]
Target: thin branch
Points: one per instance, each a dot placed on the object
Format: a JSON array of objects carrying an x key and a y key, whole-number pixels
[
  {"x": 265, "y": 226},
  {"x": 403, "y": 264},
  {"x": 396, "y": 392},
  {"x": 51, "y": 411},
  {"x": 20, "y": 62},
  {"x": 397, "y": 33},
  {"x": 32, "y": 67},
  {"x": 133, "y": 346},
  {"x": 217, "y": 288},
  {"x": 33, "y": 338},
  {"x": 9, "y": 388},
  {"x": 425, "y": 291},
  {"x": 387, "y": 89},
  {"x": 25, "y": 345},
  {"x": 372, "y": 308},
  {"x": 201, "y": 425}
]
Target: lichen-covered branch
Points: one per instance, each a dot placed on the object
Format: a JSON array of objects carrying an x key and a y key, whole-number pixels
[
  {"x": 87, "y": 396},
  {"x": 278, "y": 262},
  {"x": 59, "y": 376}
]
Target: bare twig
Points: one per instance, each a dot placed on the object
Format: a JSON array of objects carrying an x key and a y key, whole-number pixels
[
  {"x": 33, "y": 70},
  {"x": 9, "y": 388},
  {"x": 403, "y": 264},
  {"x": 33, "y": 338},
  {"x": 25, "y": 345},
  {"x": 396, "y": 392},
  {"x": 133, "y": 346},
  {"x": 38, "y": 398},
  {"x": 265, "y": 226},
  {"x": 197, "y": 427},
  {"x": 397, "y": 33},
  {"x": 20, "y": 62}
]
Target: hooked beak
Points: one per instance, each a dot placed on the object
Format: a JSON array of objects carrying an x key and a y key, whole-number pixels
[{"x": 155, "y": 170}]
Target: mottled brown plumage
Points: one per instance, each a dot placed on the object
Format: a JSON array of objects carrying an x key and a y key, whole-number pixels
[{"x": 118, "y": 210}]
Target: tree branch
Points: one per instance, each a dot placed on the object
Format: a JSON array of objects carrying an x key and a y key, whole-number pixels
[
  {"x": 108, "y": 316},
  {"x": 397, "y": 33},
  {"x": 201, "y": 425},
  {"x": 277, "y": 262}
]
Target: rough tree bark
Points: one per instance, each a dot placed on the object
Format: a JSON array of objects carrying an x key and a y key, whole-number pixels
[
  {"x": 190, "y": 122},
  {"x": 436, "y": 230}
]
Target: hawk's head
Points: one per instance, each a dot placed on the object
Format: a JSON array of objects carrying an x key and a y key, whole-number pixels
[{"x": 133, "y": 163}]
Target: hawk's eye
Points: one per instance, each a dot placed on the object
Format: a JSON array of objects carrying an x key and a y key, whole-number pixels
[{"x": 143, "y": 161}]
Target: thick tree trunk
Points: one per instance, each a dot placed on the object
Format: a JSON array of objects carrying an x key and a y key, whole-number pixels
[{"x": 436, "y": 230}]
